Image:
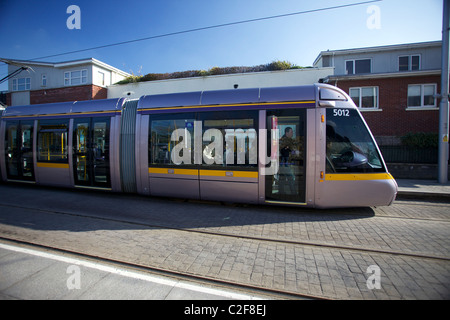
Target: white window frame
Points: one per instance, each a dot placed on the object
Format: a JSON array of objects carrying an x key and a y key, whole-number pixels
[
  {"x": 69, "y": 77},
  {"x": 422, "y": 97},
  {"x": 410, "y": 62},
  {"x": 27, "y": 84},
  {"x": 44, "y": 80},
  {"x": 354, "y": 65},
  {"x": 102, "y": 78},
  {"x": 377, "y": 97}
]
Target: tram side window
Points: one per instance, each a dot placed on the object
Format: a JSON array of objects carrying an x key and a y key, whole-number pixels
[
  {"x": 52, "y": 141},
  {"x": 349, "y": 146},
  {"x": 229, "y": 139},
  {"x": 163, "y": 128},
  {"x": 207, "y": 138},
  {"x": 11, "y": 147}
]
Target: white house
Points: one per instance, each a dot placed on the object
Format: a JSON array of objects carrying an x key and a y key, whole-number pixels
[{"x": 45, "y": 82}]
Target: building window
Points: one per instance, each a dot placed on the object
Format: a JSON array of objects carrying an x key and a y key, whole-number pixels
[
  {"x": 365, "y": 97},
  {"x": 358, "y": 66},
  {"x": 421, "y": 95},
  {"x": 101, "y": 78},
  {"x": 72, "y": 78},
  {"x": 21, "y": 84},
  {"x": 44, "y": 80},
  {"x": 409, "y": 63}
]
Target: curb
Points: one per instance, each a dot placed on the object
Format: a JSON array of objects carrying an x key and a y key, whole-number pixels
[{"x": 423, "y": 195}]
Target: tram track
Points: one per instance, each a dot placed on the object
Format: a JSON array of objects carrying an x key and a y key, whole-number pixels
[
  {"x": 219, "y": 239},
  {"x": 249, "y": 237},
  {"x": 268, "y": 293}
]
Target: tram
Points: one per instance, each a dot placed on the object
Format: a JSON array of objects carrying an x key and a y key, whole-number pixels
[{"x": 304, "y": 146}]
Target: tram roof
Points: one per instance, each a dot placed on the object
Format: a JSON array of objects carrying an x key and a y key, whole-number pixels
[
  {"x": 198, "y": 98},
  {"x": 64, "y": 107},
  {"x": 233, "y": 96}
]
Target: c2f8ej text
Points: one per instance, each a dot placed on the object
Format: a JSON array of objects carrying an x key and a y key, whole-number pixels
[{"x": 233, "y": 309}]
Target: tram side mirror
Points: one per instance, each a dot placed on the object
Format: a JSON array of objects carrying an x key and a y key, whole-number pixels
[
  {"x": 350, "y": 159},
  {"x": 331, "y": 94},
  {"x": 325, "y": 104}
]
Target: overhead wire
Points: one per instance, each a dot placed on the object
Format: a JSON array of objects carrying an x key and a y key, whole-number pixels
[
  {"x": 207, "y": 28},
  {"x": 14, "y": 73}
]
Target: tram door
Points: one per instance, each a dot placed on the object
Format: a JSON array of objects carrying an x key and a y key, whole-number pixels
[
  {"x": 287, "y": 184},
  {"x": 19, "y": 150},
  {"x": 91, "y": 152}
]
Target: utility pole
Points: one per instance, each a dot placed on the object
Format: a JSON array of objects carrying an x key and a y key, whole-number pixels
[{"x": 443, "y": 106}]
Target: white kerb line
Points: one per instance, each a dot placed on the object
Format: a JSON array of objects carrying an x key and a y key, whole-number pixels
[{"x": 131, "y": 274}]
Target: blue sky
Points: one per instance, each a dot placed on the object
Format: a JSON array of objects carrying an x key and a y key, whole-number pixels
[{"x": 33, "y": 29}]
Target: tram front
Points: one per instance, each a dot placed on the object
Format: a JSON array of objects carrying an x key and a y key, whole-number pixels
[{"x": 352, "y": 170}]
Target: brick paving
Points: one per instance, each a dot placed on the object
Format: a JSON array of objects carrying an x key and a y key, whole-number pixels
[{"x": 141, "y": 230}]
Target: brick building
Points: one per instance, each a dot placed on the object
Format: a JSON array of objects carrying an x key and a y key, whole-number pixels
[
  {"x": 47, "y": 82},
  {"x": 394, "y": 86}
]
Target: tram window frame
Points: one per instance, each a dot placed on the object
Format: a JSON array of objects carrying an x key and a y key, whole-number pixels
[
  {"x": 57, "y": 130},
  {"x": 153, "y": 153},
  {"x": 204, "y": 117},
  {"x": 227, "y": 118},
  {"x": 350, "y": 148},
  {"x": 11, "y": 145},
  {"x": 288, "y": 183}
]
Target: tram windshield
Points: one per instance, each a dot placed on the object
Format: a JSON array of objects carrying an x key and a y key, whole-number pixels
[{"x": 350, "y": 148}]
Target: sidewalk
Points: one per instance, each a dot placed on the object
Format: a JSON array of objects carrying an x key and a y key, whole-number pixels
[{"x": 420, "y": 189}]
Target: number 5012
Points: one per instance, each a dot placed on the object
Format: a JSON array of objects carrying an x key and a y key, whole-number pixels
[{"x": 341, "y": 112}]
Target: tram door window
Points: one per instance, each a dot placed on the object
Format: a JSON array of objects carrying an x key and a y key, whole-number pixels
[
  {"x": 287, "y": 184},
  {"x": 52, "y": 141},
  {"x": 91, "y": 152},
  {"x": 19, "y": 150}
]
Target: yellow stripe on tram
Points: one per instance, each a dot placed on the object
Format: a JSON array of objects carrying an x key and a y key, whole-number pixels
[
  {"x": 225, "y": 173},
  {"x": 205, "y": 173},
  {"x": 53, "y": 165},
  {"x": 357, "y": 176},
  {"x": 190, "y": 172},
  {"x": 65, "y": 115},
  {"x": 228, "y": 105}
]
